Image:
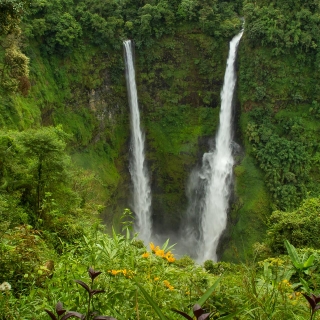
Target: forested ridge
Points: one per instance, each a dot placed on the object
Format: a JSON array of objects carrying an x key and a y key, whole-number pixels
[{"x": 64, "y": 155}]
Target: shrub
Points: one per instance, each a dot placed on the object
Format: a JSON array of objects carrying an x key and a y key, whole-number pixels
[{"x": 299, "y": 227}]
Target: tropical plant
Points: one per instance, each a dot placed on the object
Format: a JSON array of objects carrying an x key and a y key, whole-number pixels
[
  {"x": 313, "y": 302},
  {"x": 301, "y": 264},
  {"x": 90, "y": 314},
  {"x": 198, "y": 312}
]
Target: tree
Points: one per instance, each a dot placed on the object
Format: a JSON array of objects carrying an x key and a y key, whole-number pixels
[
  {"x": 68, "y": 31},
  {"x": 47, "y": 163},
  {"x": 35, "y": 167},
  {"x": 299, "y": 227},
  {"x": 11, "y": 12},
  {"x": 14, "y": 67}
]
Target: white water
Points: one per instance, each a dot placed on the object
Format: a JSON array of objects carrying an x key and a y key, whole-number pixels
[
  {"x": 138, "y": 170},
  {"x": 214, "y": 178}
]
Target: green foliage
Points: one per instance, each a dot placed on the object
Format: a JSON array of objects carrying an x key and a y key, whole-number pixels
[
  {"x": 75, "y": 50},
  {"x": 280, "y": 43},
  {"x": 303, "y": 264},
  {"x": 249, "y": 211},
  {"x": 218, "y": 268},
  {"x": 39, "y": 187},
  {"x": 11, "y": 12},
  {"x": 298, "y": 227},
  {"x": 270, "y": 292},
  {"x": 14, "y": 65},
  {"x": 259, "y": 291},
  {"x": 283, "y": 27},
  {"x": 23, "y": 258},
  {"x": 11, "y": 214},
  {"x": 68, "y": 31},
  {"x": 283, "y": 155},
  {"x": 90, "y": 314},
  {"x": 39, "y": 165}
]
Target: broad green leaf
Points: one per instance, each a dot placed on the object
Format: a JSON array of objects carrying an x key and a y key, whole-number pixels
[
  {"x": 305, "y": 285},
  {"x": 150, "y": 300},
  {"x": 206, "y": 295},
  {"x": 293, "y": 254},
  {"x": 115, "y": 236},
  {"x": 164, "y": 246},
  {"x": 309, "y": 262}
]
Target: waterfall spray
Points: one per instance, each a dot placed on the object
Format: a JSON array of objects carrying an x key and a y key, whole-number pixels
[
  {"x": 213, "y": 180},
  {"x": 138, "y": 170}
]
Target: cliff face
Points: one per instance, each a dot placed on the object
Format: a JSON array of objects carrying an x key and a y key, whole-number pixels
[
  {"x": 77, "y": 80},
  {"x": 180, "y": 80},
  {"x": 279, "y": 97}
]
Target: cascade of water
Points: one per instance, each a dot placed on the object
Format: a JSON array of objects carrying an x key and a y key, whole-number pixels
[
  {"x": 138, "y": 170},
  {"x": 209, "y": 186}
]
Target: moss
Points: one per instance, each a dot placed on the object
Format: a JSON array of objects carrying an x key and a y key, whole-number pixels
[{"x": 249, "y": 213}]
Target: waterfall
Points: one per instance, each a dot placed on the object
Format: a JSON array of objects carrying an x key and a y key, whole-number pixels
[
  {"x": 138, "y": 170},
  {"x": 209, "y": 187}
]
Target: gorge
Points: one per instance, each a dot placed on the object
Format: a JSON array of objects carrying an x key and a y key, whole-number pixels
[
  {"x": 75, "y": 79},
  {"x": 86, "y": 135}
]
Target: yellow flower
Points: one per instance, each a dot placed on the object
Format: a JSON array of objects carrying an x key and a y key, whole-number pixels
[
  {"x": 151, "y": 246},
  {"x": 160, "y": 253},
  {"x": 145, "y": 255},
  {"x": 156, "y": 278},
  {"x": 169, "y": 256},
  {"x": 114, "y": 272},
  {"x": 168, "y": 285}
]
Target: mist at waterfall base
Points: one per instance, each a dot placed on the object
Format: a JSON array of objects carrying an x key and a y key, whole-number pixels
[
  {"x": 209, "y": 186},
  {"x": 139, "y": 175}
]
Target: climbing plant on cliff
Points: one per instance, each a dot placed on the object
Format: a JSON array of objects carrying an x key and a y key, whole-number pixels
[
  {"x": 279, "y": 93},
  {"x": 14, "y": 64},
  {"x": 285, "y": 161}
]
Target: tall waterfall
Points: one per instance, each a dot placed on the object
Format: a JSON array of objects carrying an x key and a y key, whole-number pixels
[
  {"x": 138, "y": 170},
  {"x": 213, "y": 180}
]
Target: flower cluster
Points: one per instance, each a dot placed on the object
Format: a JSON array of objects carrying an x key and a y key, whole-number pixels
[
  {"x": 160, "y": 253},
  {"x": 295, "y": 295},
  {"x": 284, "y": 284},
  {"x": 5, "y": 286},
  {"x": 168, "y": 285},
  {"x": 125, "y": 272}
]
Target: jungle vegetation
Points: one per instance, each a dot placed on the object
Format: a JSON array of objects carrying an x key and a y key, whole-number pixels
[{"x": 64, "y": 141}]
